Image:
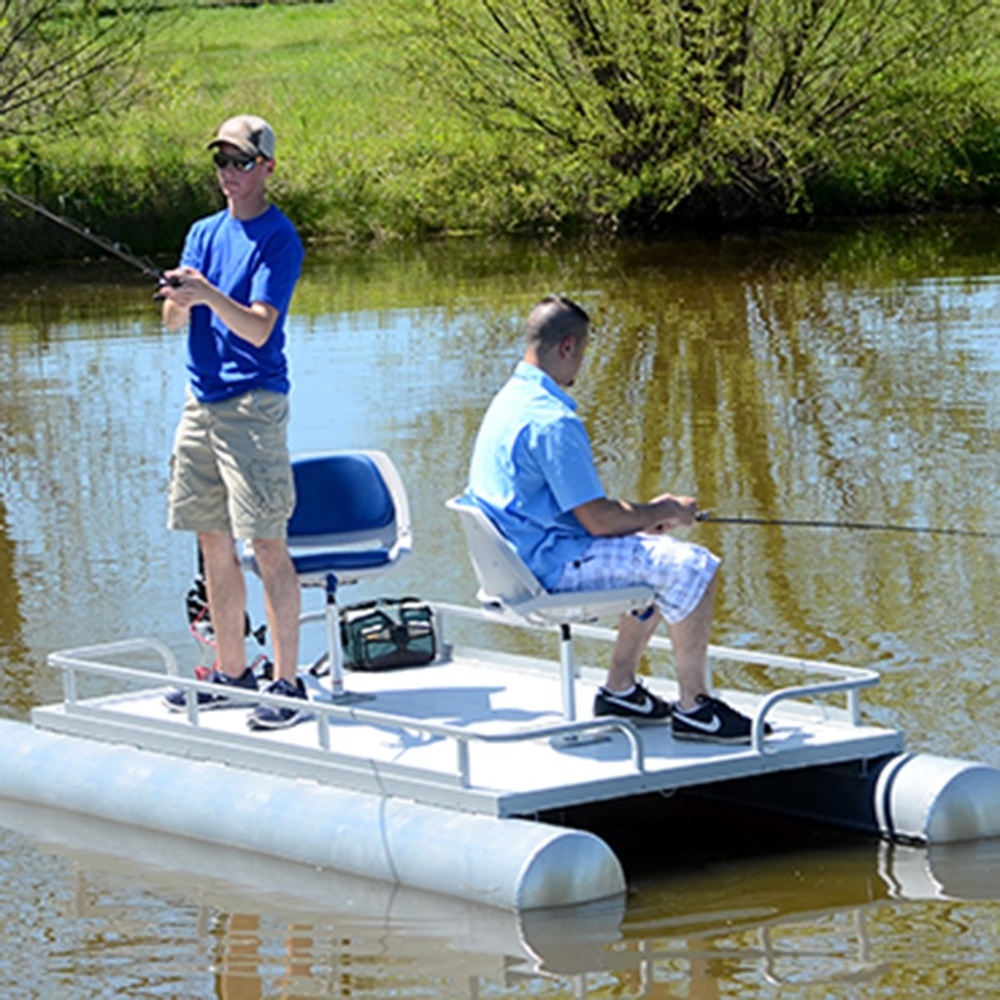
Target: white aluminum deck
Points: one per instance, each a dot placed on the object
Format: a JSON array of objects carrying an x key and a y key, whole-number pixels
[{"x": 478, "y": 730}]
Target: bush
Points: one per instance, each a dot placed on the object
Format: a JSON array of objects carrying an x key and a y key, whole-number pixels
[
  {"x": 368, "y": 148},
  {"x": 722, "y": 109}
]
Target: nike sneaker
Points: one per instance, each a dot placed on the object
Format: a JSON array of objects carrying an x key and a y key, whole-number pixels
[
  {"x": 638, "y": 704},
  {"x": 713, "y": 721}
]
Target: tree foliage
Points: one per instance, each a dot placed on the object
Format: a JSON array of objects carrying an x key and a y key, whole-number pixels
[
  {"x": 720, "y": 107},
  {"x": 63, "y": 60}
]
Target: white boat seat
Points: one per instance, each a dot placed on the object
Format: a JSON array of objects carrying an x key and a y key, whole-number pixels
[
  {"x": 351, "y": 522},
  {"x": 507, "y": 586}
]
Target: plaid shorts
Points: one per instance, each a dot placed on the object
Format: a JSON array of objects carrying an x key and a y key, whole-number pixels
[{"x": 679, "y": 572}]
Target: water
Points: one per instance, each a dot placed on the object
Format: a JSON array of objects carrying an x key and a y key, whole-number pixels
[{"x": 846, "y": 376}]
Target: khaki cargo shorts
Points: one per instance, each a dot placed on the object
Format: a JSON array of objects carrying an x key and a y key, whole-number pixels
[{"x": 230, "y": 469}]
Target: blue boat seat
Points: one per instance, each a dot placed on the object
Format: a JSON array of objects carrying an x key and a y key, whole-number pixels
[
  {"x": 351, "y": 522},
  {"x": 508, "y": 587}
]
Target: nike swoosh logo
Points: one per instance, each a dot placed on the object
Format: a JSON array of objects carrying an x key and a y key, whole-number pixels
[
  {"x": 646, "y": 708},
  {"x": 706, "y": 727}
]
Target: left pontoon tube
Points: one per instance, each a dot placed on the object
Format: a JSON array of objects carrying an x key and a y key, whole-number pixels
[{"x": 514, "y": 864}]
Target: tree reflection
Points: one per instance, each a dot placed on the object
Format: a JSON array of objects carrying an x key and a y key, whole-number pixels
[{"x": 13, "y": 648}]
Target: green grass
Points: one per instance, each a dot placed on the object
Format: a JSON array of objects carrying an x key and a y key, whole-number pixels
[{"x": 363, "y": 153}]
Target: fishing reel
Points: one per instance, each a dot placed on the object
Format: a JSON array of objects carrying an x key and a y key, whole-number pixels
[{"x": 162, "y": 281}]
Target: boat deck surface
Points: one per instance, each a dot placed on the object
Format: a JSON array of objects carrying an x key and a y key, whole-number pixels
[{"x": 476, "y": 730}]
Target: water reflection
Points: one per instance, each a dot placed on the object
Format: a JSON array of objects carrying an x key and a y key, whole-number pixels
[
  {"x": 12, "y": 646},
  {"x": 843, "y": 376},
  {"x": 747, "y": 925},
  {"x": 848, "y": 915},
  {"x": 836, "y": 376}
]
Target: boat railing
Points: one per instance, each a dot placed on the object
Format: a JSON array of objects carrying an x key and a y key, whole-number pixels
[
  {"x": 93, "y": 660},
  {"x": 845, "y": 680},
  {"x": 81, "y": 661}
]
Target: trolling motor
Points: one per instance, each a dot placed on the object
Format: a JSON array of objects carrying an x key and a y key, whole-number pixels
[{"x": 108, "y": 246}]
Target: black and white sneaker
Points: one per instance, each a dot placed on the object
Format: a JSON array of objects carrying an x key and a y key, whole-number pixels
[
  {"x": 637, "y": 704},
  {"x": 713, "y": 721},
  {"x": 234, "y": 692},
  {"x": 275, "y": 717}
]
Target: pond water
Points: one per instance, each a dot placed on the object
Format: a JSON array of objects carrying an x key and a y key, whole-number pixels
[{"x": 849, "y": 375}]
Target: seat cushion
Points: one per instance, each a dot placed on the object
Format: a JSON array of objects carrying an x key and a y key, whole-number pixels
[{"x": 309, "y": 564}]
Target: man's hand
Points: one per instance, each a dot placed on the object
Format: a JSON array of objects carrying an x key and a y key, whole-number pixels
[
  {"x": 187, "y": 287},
  {"x": 176, "y": 297},
  {"x": 678, "y": 512}
]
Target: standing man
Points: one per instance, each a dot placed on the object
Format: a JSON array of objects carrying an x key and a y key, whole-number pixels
[
  {"x": 230, "y": 473},
  {"x": 533, "y": 474}
]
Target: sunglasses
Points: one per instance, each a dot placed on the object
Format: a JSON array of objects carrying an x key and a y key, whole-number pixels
[{"x": 242, "y": 163}]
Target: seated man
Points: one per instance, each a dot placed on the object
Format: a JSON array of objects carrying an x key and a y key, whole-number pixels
[{"x": 533, "y": 474}]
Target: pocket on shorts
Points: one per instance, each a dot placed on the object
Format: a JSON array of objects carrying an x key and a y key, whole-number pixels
[
  {"x": 262, "y": 404},
  {"x": 259, "y": 477}
]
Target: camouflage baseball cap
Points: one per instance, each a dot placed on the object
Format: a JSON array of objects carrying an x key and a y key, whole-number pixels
[{"x": 249, "y": 134}]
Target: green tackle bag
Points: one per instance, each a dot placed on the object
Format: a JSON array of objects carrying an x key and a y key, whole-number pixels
[{"x": 388, "y": 632}]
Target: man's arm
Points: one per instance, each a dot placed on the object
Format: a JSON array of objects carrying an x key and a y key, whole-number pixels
[
  {"x": 252, "y": 323},
  {"x": 175, "y": 316},
  {"x": 608, "y": 518}
]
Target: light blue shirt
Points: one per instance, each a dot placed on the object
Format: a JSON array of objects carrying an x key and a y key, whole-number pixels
[{"x": 531, "y": 465}]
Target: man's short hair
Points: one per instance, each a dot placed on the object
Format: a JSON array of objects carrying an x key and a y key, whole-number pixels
[{"x": 554, "y": 319}]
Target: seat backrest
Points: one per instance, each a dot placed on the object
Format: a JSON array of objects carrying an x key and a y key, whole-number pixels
[
  {"x": 348, "y": 498},
  {"x": 502, "y": 575}
]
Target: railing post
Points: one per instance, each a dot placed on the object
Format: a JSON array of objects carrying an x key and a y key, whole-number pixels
[
  {"x": 854, "y": 705},
  {"x": 464, "y": 767},
  {"x": 568, "y": 672},
  {"x": 69, "y": 684}
]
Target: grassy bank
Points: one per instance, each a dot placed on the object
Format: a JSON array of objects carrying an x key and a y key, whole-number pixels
[{"x": 363, "y": 153}]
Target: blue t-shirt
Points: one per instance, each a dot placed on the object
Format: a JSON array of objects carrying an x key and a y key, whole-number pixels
[
  {"x": 259, "y": 260},
  {"x": 531, "y": 465}
]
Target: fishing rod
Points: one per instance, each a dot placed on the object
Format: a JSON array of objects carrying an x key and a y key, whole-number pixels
[
  {"x": 709, "y": 517},
  {"x": 108, "y": 246}
]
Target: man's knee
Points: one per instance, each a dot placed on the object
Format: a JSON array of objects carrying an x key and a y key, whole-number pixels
[
  {"x": 272, "y": 557},
  {"x": 217, "y": 546}
]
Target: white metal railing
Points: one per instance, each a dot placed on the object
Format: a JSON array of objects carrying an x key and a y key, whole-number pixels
[
  {"x": 847, "y": 680},
  {"x": 92, "y": 660},
  {"x": 78, "y": 661}
]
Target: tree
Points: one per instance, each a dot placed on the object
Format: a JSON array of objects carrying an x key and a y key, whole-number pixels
[
  {"x": 718, "y": 107},
  {"x": 62, "y": 61}
]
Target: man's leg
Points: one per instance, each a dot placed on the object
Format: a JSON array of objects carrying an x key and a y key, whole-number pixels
[
  {"x": 698, "y": 716},
  {"x": 689, "y": 638},
  {"x": 282, "y": 602},
  {"x": 679, "y": 573},
  {"x": 633, "y": 636},
  {"x": 227, "y": 599}
]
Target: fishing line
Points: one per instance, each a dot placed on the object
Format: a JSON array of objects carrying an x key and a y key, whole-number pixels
[
  {"x": 709, "y": 517},
  {"x": 108, "y": 246}
]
